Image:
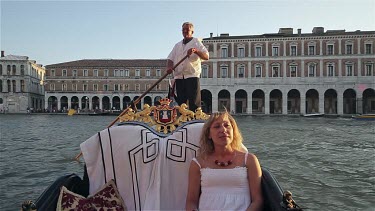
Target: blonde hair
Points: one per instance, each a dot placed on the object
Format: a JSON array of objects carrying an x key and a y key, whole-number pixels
[{"x": 207, "y": 145}]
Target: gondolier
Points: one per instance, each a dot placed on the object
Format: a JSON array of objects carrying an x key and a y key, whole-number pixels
[{"x": 186, "y": 75}]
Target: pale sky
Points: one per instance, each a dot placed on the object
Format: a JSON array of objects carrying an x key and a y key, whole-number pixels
[{"x": 61, "y": 31}]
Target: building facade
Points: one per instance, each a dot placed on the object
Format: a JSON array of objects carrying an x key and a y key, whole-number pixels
[
  {"x": 92, "y": 85},
  {"x": 21, "y": 84},
  {"x": 330, "y": 72}
]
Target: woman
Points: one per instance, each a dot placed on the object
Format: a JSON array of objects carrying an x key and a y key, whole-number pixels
[{"x": 223, "y": 177}]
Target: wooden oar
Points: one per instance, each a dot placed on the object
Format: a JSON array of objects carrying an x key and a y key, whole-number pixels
[{"x": 139, "y": 98}]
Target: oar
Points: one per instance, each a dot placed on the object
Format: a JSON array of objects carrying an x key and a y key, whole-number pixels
[{"x": 139, "y": 98}]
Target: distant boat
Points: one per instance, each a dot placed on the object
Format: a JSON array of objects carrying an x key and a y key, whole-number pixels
[
  {"x": 364, "y": 117},
  {"x": 313, "y": 115},
  {"x": 99, "y": 114}
]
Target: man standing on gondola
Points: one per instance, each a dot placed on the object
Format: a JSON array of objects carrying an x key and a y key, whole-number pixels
[{"x": 186, "y": 75}]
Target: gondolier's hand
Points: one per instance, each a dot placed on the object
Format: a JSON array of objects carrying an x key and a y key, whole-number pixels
[
  {"x": 170, "y": 70},
  {"x": 191, "y": 51}
]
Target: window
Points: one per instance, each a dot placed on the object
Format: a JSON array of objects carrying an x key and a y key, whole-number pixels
[
  {"x": 53, "y": 73},
  {"x": 126, "y": 87},
  {"x": 369, "y": 69},
  {"x": 311, "y": 50},
  {"x": 22, "y": 70},
  {"x": 204, "y": 73},
  {"x": 275, "y": 51},
  {"x": 293, "y": 71},
  {"x": 137, "y": 87},
  {"x": 275, "y": 71},
  {"x": 96, "y": 73},
  {"x": 158, "y": 73},
  {"x": 14, "y": 69},
  {"x": 224, "y": 52},
  {"x": 329, "y": 49},
  {"x": 258, "y": 71},
  {"x": 122, "y": 73},
  {"x": 330, "y": 70},
  {"x": 349, "y": 49},
  {"x": 64, "y": 87},
  {"x": 52, "y": 87},
  {"x": 148, "y": 73},
  {"x": 223, "y": 72},
  {"x": 312, "y": 70},
  {"x": 95, "y": 87},
  {"x": 116, "y": 87},
  {"x": 74, "y": 73},
  {"x": 85, "y": 87},
  {"x": 158, "y": 87},
  {"x": 74, "y": 87},
  {"x": 85, "y": 73},
  {"x": 241, "y": 71},
  {"x": 241, "y": 52},
  {"x": 106, "y": 73},
  {"x": 105, "y": 87},
  {"x": 23, "y": 86},
  {"x": 126, "y": 73},
  {"x": 64, "y": 73},
  {"x": 258, "y": 51},
  {"x": 137, "y": 73},
  {"x": 349, "y": 70},
  {"x": 368, "y": 48},
  {"x": 8, "y": 70},
  {"x": 116, "y": 72},
  {"x": 293, "y": 50},
  {"x": 148, "y": 86}
]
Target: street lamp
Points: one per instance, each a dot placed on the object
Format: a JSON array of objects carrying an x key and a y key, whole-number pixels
[{"x": 86, "y": 106}]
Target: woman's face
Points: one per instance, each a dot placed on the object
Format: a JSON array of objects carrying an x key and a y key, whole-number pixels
[{"x": 221, "y": 131}]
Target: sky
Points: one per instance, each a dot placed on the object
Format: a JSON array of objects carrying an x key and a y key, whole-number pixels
[{"x": 53, "y": 32}]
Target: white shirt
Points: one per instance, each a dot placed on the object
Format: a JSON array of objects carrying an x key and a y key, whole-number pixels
[{"x": 191, "y": 67}]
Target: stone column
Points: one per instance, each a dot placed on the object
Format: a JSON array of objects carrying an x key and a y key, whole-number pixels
[
  {"x": 284, "y": 68},
  {"x": 359, "y": 46},
  {"x": 59, "y": 103},
  {"x": 303, "y": 104},
  {"x": 302, "y": 48},
  {"x": 249, "y": 103},
  {"x": 232, "y": 50},
  {"x": 232, "y": 102},
  {"x": 340, "y": 46},
  {"x": 321, "y": 68},
  {"x": 90, "y": 102},
  {"x": 359, "y": 67},
  {"x": 266, "y": 48},
  {"x": 321, "y": 102},
  {"x": 266, "y": 68},
  {"x": 249, "y": 49},
  {"x": 232, "y": 69},
  {"x": 122, "y": 103},
  {"x": 100, "y": 102},
  {"x": 215, "y": 102},
  {"x": 284, "y": 47},
  {"x": 266, "y": 103},
  {"x": 340, "y": 67},
  {"x": 321, "y": 47},
  {"x": 79, "y": 103},
  {"x": 340, "y": 103},
  {"x": 249, "y": 69},
  {"x": 285, "y": 103}
]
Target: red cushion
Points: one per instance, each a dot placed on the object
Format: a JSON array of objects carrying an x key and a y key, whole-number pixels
[{"x": 107, "y": 198}]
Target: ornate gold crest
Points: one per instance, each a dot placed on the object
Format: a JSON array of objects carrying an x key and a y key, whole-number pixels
[{"x": 165, "y": 117}]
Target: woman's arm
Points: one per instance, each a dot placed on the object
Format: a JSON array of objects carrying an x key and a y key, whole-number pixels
[
  {"x": 192, "y": 199},
  {"x": 254, "y": 174}
]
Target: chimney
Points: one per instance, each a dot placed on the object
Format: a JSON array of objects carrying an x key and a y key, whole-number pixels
[
  {"x": 2, "y": 54},
  {"x": 211, "y": 35},
  {"x": 318, "y": 30},
  {"x": 299, "y": 32},
  {"x": 286, "y": 31}
]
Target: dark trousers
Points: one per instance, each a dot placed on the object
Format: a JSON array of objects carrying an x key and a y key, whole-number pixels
[{"x": 189, "y": 92}]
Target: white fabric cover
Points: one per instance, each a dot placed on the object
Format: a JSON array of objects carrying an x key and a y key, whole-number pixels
[{"x": 151, "y": 171}]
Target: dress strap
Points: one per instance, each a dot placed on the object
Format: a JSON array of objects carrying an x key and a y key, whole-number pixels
[
  {"x": 246, "y": 154},
  {"x": 196, "y": 161}
]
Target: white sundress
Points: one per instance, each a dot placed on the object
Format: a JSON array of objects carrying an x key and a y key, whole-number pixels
[{"x": 224, "y": 189}]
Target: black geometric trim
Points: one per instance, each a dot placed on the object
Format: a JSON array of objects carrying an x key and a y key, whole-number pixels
[{"x": 101, "y": 149}]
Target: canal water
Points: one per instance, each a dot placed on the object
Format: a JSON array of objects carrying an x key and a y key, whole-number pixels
[{"x": 327, "y": 163}]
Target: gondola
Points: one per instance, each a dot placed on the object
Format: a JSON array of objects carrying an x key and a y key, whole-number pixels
[{"x": 141, "y": 162}]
